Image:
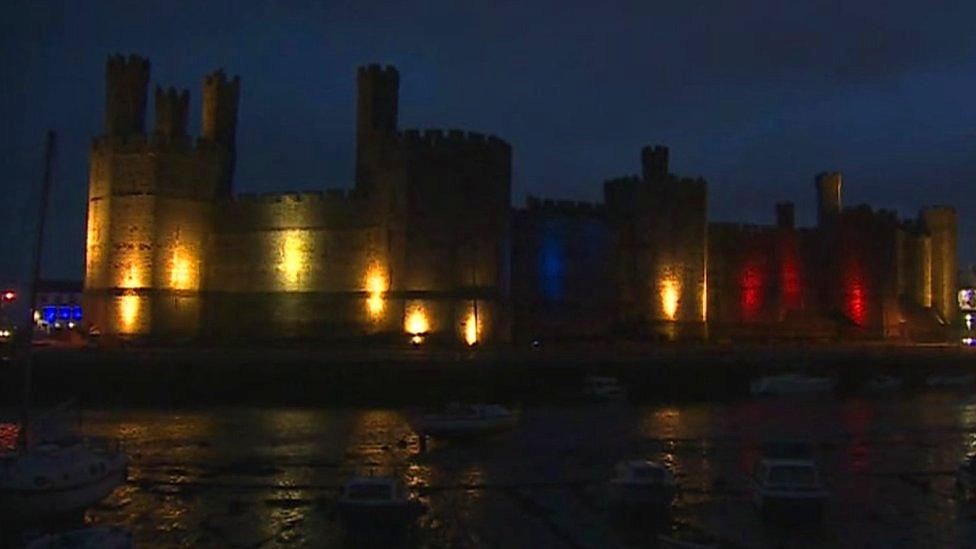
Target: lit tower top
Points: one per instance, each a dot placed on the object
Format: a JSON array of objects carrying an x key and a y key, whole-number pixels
[{"x": 828, "y": 197}]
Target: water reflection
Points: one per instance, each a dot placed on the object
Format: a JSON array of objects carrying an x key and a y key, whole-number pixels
[{"x": 268, "y": 477}]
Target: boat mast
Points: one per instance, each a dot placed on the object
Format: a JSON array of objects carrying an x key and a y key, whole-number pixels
[{"x": 24, "y": 353}]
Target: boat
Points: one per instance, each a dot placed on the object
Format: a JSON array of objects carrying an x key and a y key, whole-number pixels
[
  {"x": 789, "y": 486},
  {"x": 966, "y": 477},
  {"x": 668, "y": 542},
  {"x": 459, "y": 420},
  {"x": 58, "y": 478},
  {"x": 103, "y": 537},
  {"x": 791, "y": 384},
  {"x": 47, "y": 476},
  {"x": 643, "y": 484},
  {"x": 602, "y": 388},
  {"x": 949, "y": 380},
  {"x": 368, "y": 503},
  {"x": 883, "y": 384}
]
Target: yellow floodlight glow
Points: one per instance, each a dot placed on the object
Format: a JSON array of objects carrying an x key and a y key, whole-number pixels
[
  {"x": 471, "y": 329},
  {"x": 179, "y": 274},
  {"x": 294, "y": 260},
  {"x": 129, "y": 306},
  {"x": 132, "y": 277},
  {"x": 670, "y": 297},
  {"x": 417, "y": 323},
  {"x": 376, "y": 286}
]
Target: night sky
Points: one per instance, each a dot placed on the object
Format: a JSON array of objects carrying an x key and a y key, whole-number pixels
[{"x": 757, "y": 97}]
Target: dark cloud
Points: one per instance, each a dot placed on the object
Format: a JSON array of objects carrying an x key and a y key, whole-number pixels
[{"x": 757, "y": 96}]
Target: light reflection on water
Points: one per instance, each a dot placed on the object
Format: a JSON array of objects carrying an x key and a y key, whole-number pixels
[{"x": 268, "y": 477}]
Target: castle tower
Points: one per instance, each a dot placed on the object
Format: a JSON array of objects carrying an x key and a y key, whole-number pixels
[
  {"x": 654, "y": 162},
  {"x": 150, "y": 203},
  {"x": 125, "y": 95},
  {"x": 220, "y": 102},
  {"x": 942, "y": 225},
  {"x": 171, "y": 113},
  {"x": 376, "y": 116},
  {"x": 828, "y": 197},
  {"x": 785, "y": 215}
]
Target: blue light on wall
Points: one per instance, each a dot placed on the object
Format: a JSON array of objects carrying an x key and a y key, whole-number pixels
[
  {"x": 76, "y": 313},
  {"x": 64, "y": 313},
  {"x": 552, "y": 262},
  {"x": 50, "y": 314}
]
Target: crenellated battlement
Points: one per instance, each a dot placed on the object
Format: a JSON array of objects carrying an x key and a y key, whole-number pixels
[
  {"x": 375, "y": 70},
  {"x": 563, "y": 207},
  {"x": 726, "y": 228},
  {"x": 435, "y": 137},
  {"x": 328, "y": 195}
]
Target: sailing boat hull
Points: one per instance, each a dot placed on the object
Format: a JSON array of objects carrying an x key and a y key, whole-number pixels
[{"x": 34, "y": 504}]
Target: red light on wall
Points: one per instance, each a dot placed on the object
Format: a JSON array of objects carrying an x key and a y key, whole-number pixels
[
  {"x": 855, "y": 294},
  {"x": 9, "y": 295},
  {"x": 751, "y": 301},
  {"x": 790, "y": 281}
]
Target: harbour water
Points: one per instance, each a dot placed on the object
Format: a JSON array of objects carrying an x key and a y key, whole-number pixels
[{"x": 268, "y": 477}]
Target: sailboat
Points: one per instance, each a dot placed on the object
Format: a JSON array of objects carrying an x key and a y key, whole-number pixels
[{"x": 48, "y": 476}]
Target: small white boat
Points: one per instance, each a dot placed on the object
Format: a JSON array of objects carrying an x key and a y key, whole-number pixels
[
  {"x": 668, "y": 542},
  {"x": 789, "y": 485},
  {"x": 949, "y": 381},
  {"x": 370, "y": 503},
  {"x": 883, "y": 384},
  {"x": 109, "y": 537},
  {"x": 459, "y": 420},
  {"x": 644, "y": 484},
  {"x": 966, "y": 477},
  {"x": 51, "y": 479},
  {"x": 791, "y": 384},
  {"x": 602, "y": 388}
]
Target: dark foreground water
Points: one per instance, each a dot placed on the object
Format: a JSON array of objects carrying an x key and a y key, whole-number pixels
[{"x": 248, "y": 477}]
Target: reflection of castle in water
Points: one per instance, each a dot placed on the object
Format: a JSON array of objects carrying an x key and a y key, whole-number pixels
[{"x": 426, "y": 243}]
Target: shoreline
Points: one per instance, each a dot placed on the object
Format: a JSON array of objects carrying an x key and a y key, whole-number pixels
[{"x": 305, "y": 376}]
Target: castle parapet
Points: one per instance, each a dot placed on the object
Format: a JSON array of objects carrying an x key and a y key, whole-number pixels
[
  {"x": 436, "y": 137},
  {"x": 571, "y": 208}
]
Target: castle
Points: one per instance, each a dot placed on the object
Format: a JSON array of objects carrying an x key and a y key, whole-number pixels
[{"x": 426, "y": 245}]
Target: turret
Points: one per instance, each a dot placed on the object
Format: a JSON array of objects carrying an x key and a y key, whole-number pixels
[
  {"x": 171, "y": 112},
  {"x": 126, "y": 81},
  {"x": 376, "y": 113},
  {"x": 654, "y": 161},
  {"x": 220, "y": 99},
  {"x": 785, "y": 215},
  {"x": 942, "y": 225},
  {"x": 377, "y": 99},
  {"x": 828, "y": 197}
]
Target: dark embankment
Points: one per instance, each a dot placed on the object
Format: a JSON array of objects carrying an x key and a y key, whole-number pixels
[{"x": 327, "y": 377}]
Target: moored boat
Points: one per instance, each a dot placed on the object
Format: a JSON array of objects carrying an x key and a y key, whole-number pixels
[
  {"x": 791, "y": 384},
  {"x": 602, "y": 388},
  {"x": 370, "y": 504},
  {"x": 111, "y": 537},
  {"x": 55, "y": 478},
  {"x": 789, "y": 486},
  {"x": 459, "y": 420},
  {"x": 642, "y": 484},
  {"x": 883, "y": 384},
  {"x": 950, "y": 381}
]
